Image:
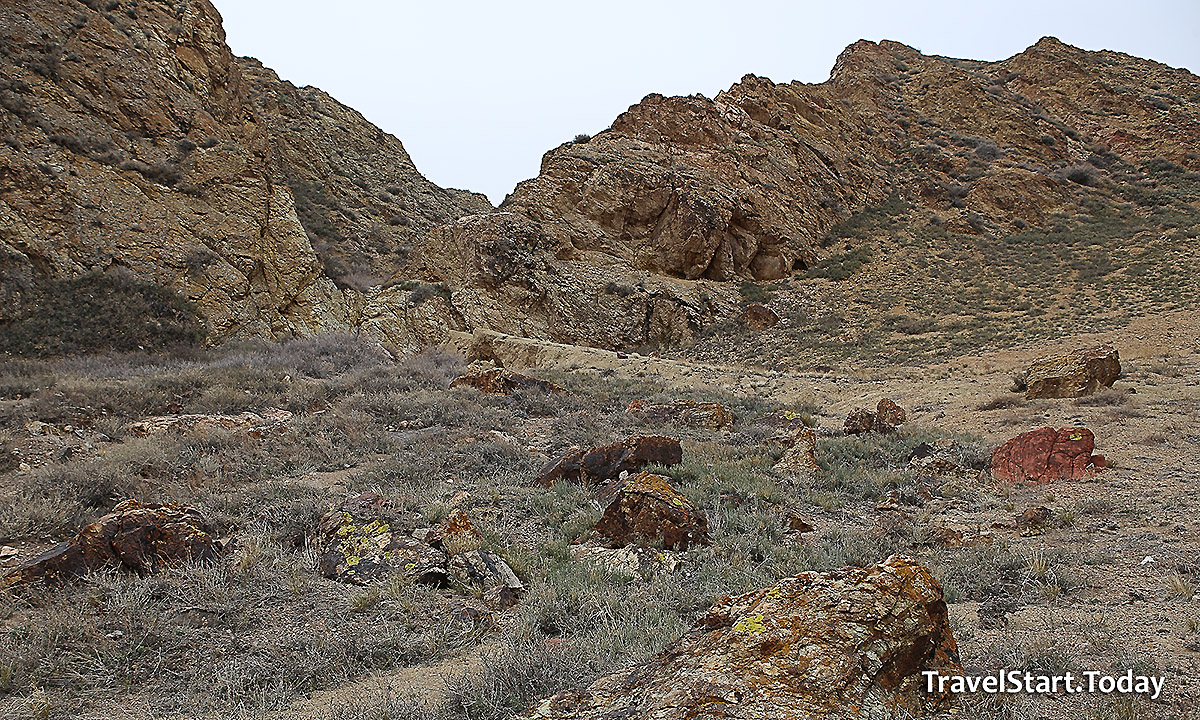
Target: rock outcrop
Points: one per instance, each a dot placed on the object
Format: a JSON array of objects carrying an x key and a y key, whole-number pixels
[
  {"x": 799, "y": 462},
  {"x": 646, "y": 510},
  {"x": 1046, "y": 455},
  {"x": 886, "y": 417},
  {"x": 498, "y": 381},
  {"x": 847, "y": 644},
  {"x": 361, "y": 545},
  {"x": 134, "y": 536},
  {"x": 597, "y": 464},
  {"x": 1073, "y": 374},
  {"x": 684, "y": 413}
]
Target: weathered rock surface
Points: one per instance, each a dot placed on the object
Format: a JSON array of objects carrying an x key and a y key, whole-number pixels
[
  {"x": 646, "y": 510},
  {"x": 486, "y": 572},
  {"x": 134, "y": 536},
  {"x": 1034, "y": 521},
  {"x": 361, "y": 545},
  {"x": 1047, "y": 454},
  {"x": 253, "y": 424},
  {"x": 499, "y": 381},
  {"x": 1073, "y": 374},
  {"x": 846, "y": 644},
  {"x": 799, "y": 461},
  {"x": 758, "y": 317},
  {"x": 455, "y": 534},
  {"x": 634, "y": 560},
  {"x": 687, "y": 413},
  {"x": 593, "y": 465},
  {"x": 886, "y": 417},
  {"x": 135, "y": 140}
]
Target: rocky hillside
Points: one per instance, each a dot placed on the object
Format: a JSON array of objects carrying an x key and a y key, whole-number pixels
[
  {"x": 774, "y": 181},
  {"x": 133, "y": 139}
]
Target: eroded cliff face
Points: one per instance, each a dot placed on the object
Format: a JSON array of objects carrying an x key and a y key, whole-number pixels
[
  {"x": 133, "y": 138},
  {"x": 654, "y": 216}
]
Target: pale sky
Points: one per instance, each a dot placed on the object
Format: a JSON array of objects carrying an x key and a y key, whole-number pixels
[{"x": 477, "y": 91}]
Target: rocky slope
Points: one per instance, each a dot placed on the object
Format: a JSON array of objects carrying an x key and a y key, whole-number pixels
[
  {"x": 132, "y": 138},
  {"x": 618, "y": 238}
]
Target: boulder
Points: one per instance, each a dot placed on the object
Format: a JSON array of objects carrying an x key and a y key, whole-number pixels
[
  {"x": 758, "y": 317},
  {"x": 886, "y": 417},
  {"x": 688, "y": 413},
  {"x": 484, "y": 571},
  {"x": 133, "y": 536},
  {"x": 361, "y": 545},
  {"x": 633, "y": 561},
  {"x": 1047, "y": 454},
  {"x": 590, "y": 465},
  {"x": 647, "y": 510},
  {"x": 846, "y": 644},
  {"x": 499, "y": 381},
  {"x": 1073, "y": 374},
  {"x": 786, "y": 420},
  {"x": 799, "y": 461}
]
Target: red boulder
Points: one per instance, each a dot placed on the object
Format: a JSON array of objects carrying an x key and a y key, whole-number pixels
[{"x": 1047, "y": 454}]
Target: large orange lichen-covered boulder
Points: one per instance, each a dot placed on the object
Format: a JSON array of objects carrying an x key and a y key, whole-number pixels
[
  {"x": 688, "y": 413},
  {"x": 1047, "y": 454},
  {"x": 597, "y": 464},
  {"x": 852, "y": 643},
  {"x": 648, "y": 510},
  {"x": 135, "y": 536},
  {"x": 1074, "y": 374}
]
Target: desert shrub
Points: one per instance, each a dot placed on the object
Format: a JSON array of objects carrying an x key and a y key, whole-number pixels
[
  {"x": 1081, "y": 174},
  {"x": 841, "y": 266},
  {"x": 582, "y": 138},
  {"x": 114, "y": 311}
]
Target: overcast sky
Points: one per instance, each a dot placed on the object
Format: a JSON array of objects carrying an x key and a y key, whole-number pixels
[{"x": 478, "y": 91}]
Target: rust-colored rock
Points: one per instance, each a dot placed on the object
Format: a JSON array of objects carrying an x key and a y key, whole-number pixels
[
  {"x": 361, "y": 545},
  {"x": 647, "y": 510},
  {"x": 884, "y": 419},
  {"x": 592, "y": 465},
  {"x": 455, "y": 534},
  {"x": 846, "y": 644},
  {"x": 687, "y": 413},
  {"x": 1047, "y": 454},
  {"x": 134, "y": 536},
  {"x": 1073, "y": 374},
  {"x": 499, "y": 381},
  {"x": 799, "y": 462},
  {"x": 1035, "y": 521},
  {"x": 758, "y": 317}
]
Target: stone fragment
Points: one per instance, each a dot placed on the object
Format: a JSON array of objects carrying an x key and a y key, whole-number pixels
[
  {"x": 884, "y": 419},
  {"x": 253, "y": 424},
  {"x": 485, "y": 571},
  {"x": 499, "y": 381},
  {"x": 687, "y": 413},
  {"x": 646, "y": 511},
  {"x": 362, "y": 545},
  {"x": 758, "y": 317},
  {"x": 633, "y": 560},
  {"x": 799, "y": 462},
  {"x": 1046, "y": 455},
  {"x": 852, "y": 643},
  {"x": 134, "y": 536},
  {"x": 1073, "y": 374},
  {"x": 593, "y": 465},
  {"x": 455, "y": 534}
]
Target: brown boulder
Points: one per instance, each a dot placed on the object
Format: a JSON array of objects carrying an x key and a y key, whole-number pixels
[
  {"x": 588, "y": 465},
  {"x": 846, "y": 644},
  {"x": 884, "y": 419},
  {"x": 648, "y": 510},
  {"x": 1047, "y": 454},
  {"x": 1073, "y": 374},
  {"x": 688, "y": 413},
  {"x": 134, "y": 536},
  {"x": 499, "y": 381},
  {"x": 758, "y": 317},
  {"x": 1035, "y": 521}
]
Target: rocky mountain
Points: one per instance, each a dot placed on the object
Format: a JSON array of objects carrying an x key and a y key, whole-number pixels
[
  {"x": 631, "y": 236},
  {"x": 133, "y": 139}
]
